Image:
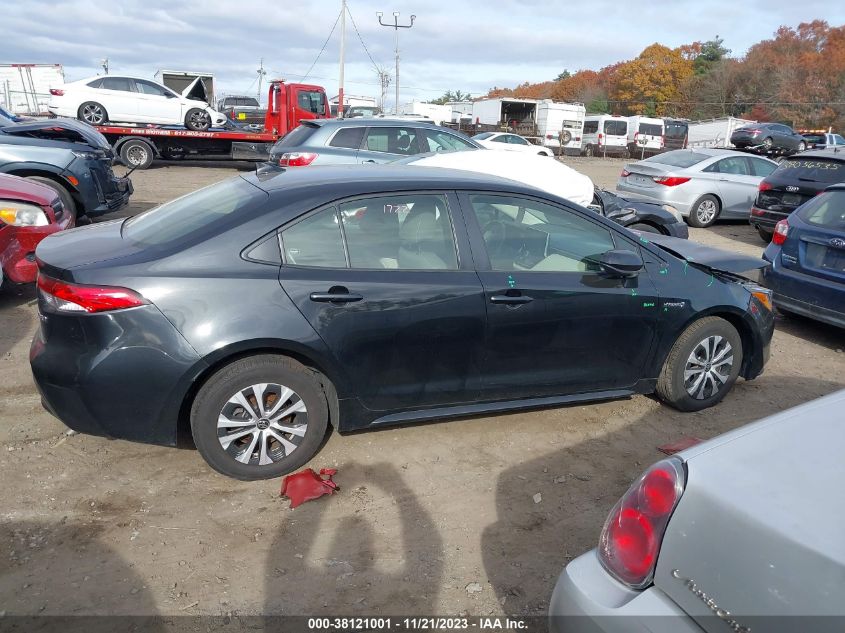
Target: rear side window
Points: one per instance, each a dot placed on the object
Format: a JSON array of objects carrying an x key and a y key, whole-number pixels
[
  {"x": 482, "y": 136},
  {"x": 651, "y": 129},
  {"x": 116, "y": 83},
  {"x": 296, "y": 137},
  {"x": 616, "y": 128},
  {"x": 349, "y": 137},
  {"x": 679, "y": 158},
  {"x": 827, "y": 210},
  {"x": 97, "y": 83},
  {"x": 591, "y": 127},
  {"x": 196, "y": 215},
  {"x": 732, "y": 165},
  {"x": 812, "y": 169},
  {"x": 315, "y": 241}
]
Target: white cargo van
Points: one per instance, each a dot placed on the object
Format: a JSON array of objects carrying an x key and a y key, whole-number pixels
[
  {"x": 556, "y": 120},
  {"x": 604, "y": 134},
  {"x": 645, "y": 135}
]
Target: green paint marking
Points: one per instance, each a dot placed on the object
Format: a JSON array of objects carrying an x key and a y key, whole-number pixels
[
  {"x": 685, "y": 267},
  {"x": 711, "y": 281},
  {"x": 666, "y": 309},
  {"x": 644, "y": 240},
  {"x": 633, "y": 292},
  {"x": 648, "y": 304},
  {"x": 664, "y": 271},
  {"x": 511, "y": 281}
]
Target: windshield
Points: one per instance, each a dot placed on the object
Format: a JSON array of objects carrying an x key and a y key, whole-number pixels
[
  {"x": 651, "y": 129},
  {"x": 198, "y": 214},
  {"x": 812, "y": 170},
  {"x": 678, "y": 158},
  {"x": 827, "y": 210}
]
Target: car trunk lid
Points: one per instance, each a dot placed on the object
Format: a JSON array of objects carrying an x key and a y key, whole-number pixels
[
  {"x": 815, "y": 244},
  {"x": 798, "y": 180},
  {"x": 750, "y": 536}
]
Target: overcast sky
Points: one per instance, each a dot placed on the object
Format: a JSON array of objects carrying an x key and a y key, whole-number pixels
[{"x": 453, "y": 45}]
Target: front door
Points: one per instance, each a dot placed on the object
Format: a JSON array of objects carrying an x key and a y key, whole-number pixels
[
  {"x": 555, "y": 324},
  {"x": 156, "y": 105},
  {"x": 391, "y": 291}
]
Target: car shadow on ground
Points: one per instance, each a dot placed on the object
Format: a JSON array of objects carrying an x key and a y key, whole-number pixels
[
  {"x": 77, "y": 575},
  {"x": 576, "y": 494},
  {"x": 402, "y": 575},
  {"x": 18, "y": 317},
  {"x": 207, "y": 163},
  {"x": 812, "y": 331}
]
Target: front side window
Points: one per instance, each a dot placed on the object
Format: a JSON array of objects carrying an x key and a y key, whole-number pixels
[
  {"x": 517, "y": 140},
  {"x": 311, "y": 101},
  {"x": 502, "y": 138},
  {"x": 838, "y": 140},
  {"x": 149, "y": 88},
  {"x": 405, "y": 232},
  {"x": 315, "y": 241},
  {"x": 523, "y": 234},
  {"x": 733, "y": 165},
  {"x": 445, "y": 142},
  {"x": 393, "y": 140}
]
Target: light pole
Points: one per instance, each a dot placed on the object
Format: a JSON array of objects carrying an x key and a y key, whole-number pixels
[{"x": 396, "y": 26}]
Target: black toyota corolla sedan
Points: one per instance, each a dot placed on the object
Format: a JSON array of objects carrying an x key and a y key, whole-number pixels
[{"x": 260, "y": 310}]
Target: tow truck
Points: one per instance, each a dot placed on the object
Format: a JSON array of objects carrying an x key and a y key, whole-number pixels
[{"x": 287, "y": 104}]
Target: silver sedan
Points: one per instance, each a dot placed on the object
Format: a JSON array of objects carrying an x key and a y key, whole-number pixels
[
  {"x": 703, "y": 184},
  {"x": 740, "y": 533}
]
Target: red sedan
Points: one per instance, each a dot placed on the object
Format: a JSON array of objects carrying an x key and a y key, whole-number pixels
[{"x": 29, "y": 212}]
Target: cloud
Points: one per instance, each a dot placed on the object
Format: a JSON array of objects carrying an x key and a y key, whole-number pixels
[{"x": 452, "y": 45}]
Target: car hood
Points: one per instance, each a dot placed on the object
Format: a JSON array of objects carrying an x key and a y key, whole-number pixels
[
  {"x": 758, "y": 529},
  {"x": 709, "y": 256},
  {"x": 64, "y": 130},
  {"x": 196, "y": 91}
]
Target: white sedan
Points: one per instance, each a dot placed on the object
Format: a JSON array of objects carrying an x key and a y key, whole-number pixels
[
  {"x": 98, "y": 100},
  {"x": 510, "y": 143}
]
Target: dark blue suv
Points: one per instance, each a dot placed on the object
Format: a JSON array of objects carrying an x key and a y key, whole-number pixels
[{"x": 807, "y": 253}]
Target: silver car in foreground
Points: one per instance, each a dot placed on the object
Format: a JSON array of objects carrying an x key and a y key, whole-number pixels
[
  {"x": 745, "y": 532},
  {"x": 703, "y": 184}
]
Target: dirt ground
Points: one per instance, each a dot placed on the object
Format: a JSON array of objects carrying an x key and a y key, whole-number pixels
[{"x": 95, "y": 526}]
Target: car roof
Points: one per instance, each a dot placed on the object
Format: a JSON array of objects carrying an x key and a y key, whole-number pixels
[
  {"x": 93, "y": 77},
  {"x": 353, "y": 179}
]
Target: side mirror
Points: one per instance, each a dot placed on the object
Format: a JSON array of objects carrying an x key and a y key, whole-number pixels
[{"x": 620, "y": 263}]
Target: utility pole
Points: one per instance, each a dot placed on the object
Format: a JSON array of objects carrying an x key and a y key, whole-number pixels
[
  {"x": 105, "y": 65},
  {"x": 342, "y": 52},
  {"x": 396, "y": 26},
  {"x": 261, "y": 73},
  {"x": 384, "y": 82}
]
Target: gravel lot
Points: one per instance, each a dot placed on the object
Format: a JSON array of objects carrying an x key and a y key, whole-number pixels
[{"x": 95, "y": 526}]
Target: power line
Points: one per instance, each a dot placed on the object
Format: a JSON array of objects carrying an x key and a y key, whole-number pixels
[
  {"x": 326, "y": 43},
  {"x": 361, "y": 39}
]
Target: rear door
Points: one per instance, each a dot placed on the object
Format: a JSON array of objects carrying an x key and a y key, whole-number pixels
[
  {"x": 387, "y": 283},
  {"x": 118, "y": 96},
  {"x": 736, "y": 184},
  {"x": 385, "y": 144},
  {"x": 555, "y": 325}
]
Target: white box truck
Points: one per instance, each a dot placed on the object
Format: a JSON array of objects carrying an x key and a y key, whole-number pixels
[
  {"x": 506, "y": 114},
  {"x": 714, "y": 132},
  {"x": 440, "y": 114},
  {"x": 461, "y": 110},
  {"x": 558, "y": 122},
  {"x": 25, "y": 88}
]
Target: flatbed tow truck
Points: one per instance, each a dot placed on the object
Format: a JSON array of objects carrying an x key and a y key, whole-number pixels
[{"x": 287, "y": 104}]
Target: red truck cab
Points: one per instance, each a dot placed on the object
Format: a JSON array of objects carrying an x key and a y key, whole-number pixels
[{"x": 288, "y": 104}]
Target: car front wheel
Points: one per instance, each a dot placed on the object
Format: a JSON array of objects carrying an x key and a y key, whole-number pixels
[
  {"x": 259, "y": 417},
  {"x": 702, "y": 366},
  {"x": 197, "y": 120}
]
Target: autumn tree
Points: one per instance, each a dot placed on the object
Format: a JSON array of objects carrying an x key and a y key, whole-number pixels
[{"x": 650, "y": 83}]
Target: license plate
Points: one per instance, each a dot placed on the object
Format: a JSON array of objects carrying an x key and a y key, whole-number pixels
[
  {"x": 792, "y": 199},
  {"x": 642, "y": 180},
  {"x": 241, "y": 115},
  {"x": 820, "y": 257}
]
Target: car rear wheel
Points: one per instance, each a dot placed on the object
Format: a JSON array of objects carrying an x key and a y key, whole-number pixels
[
  {"x": 136, "y": 154},
  {"x": 588, "y": 151},
  {"x": 197, "y": 120},
  {"x": 802, "y": 146},
  {"x": 767, "y": 143},
  {"x": 92, "y": 113},
  {"x": 67, "y": 200},
  {"x": 702, "y": 366},
  {"x": 705, "y": 211},
  {"x": 765, "y": 235},
  {"x": 259, "y": 417}
]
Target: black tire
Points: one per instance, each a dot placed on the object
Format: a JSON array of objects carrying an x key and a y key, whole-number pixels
[
  {"x": 67, "y": 199},
  {"x": 92, "y": 113},
  {"x": 136, "y": 154},
  {"x": 671, "y": 386},
  {"x": 197, "y": 120},
  {"x": 588, "y": 151},
  {"x": 645, "y": 228},
  {"x": 216, "y": 396},
  {"x": 765, "y": 235},
  {"x": 705, "y": 211}
]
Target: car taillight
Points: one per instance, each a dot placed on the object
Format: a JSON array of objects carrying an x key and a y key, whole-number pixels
[
  {"x": 633, "y": 532},
  {"x": 764, "y": 186},
  {"x": 636, "y": 136},
  {"x": 56, "y": 92},
  {"x": 625, "y": 173},
  {"x": 781, "y": 232},
  {"x": 67, "y": 298},
  {"x": 670, "y": 181},
  {"x": 296, "y": 159}
]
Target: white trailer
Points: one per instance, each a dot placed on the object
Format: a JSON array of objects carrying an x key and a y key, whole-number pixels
[
  {"x": 25, "y": 88},
  {"x": 182, "y": 82},
  {"x": 714, "y": 132},
  {"x": 461, "y": 110},
  {"x": 556, "y": 120},
  {"x": 506, "y": 112},
  {"x": 438, "y": 113}
]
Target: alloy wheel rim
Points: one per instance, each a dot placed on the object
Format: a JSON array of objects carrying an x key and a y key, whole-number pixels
[
  {"x": 92, "y": 114},
  {"x": 706, "y": 211},
  {"x": 708, "y": 367},
  {"x": 200, "y": 119},
  {"x": 262, "y": 424}
]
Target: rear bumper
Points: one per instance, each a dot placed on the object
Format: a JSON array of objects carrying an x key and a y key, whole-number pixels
[
  {"x": 17, "y": 258},
  {"x": 765, "y": 219},
  {"x": 661, "y": 194},
  {"x": 586, "y": 599},
  {"x": 806, "y": 295},
  {"x": 119, "y": 374}
]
